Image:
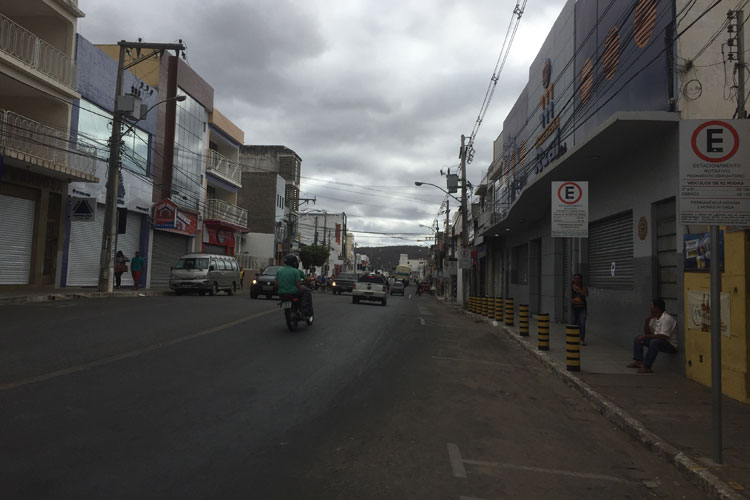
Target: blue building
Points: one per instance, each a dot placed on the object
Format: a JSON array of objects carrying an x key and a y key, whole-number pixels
[{"x": 91, "y": 126}]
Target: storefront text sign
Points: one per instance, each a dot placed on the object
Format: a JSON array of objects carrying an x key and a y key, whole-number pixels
[
  {"x": 715, "y": 172},
  {"x": 570, "y": 209}
]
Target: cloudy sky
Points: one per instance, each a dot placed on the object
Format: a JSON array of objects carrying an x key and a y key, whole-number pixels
[{"x": 373, "y": 95}]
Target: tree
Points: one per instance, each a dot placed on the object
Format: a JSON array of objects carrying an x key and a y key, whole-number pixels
[{"x": 314, "y": 255}]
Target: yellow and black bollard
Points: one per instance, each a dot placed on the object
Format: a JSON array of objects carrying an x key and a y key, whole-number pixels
[
  {"x": 471, "y": 304},
  {"x": 491, "y": 307},
  {"x": 509, "y": 312},
  {"x": 483, "y": 312},
  {"x": 543, "y": 332},
  {"x": 499, "y": 309},
  {"x": 572, "y": 348},
  {"x": 474, "y": 305},
  {"x": 523, "y": 320}
]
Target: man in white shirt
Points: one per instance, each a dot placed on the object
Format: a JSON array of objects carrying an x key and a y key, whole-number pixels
[{"x": 659, "y": 335}]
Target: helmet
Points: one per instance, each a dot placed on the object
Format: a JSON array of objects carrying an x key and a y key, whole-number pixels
[{"x": 291, "y": 260}]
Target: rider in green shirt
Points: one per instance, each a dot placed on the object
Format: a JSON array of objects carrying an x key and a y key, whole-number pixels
[{"x": 290, "y": 281}]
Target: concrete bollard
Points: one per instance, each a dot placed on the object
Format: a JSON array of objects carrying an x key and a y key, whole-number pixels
[
  {"x": 542, "y": 335},
  {"x": 499, "y": 309},
  {"x": 572, "y": 348},
  {"x": 509, "y": 312},
  {"x": 523, "y": 320}
]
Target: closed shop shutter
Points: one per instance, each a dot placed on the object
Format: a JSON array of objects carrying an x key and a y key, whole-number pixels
[
  {"x": 611, "y": 252},
  {"x": 86, "y": 246},
  {"x": 16, "y": 239},
  {"x": 520, "y": 263},
  {"x": 167, "y": 249}
]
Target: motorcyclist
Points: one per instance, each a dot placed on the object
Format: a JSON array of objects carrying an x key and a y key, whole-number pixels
[{"x": 290, "y": 280}]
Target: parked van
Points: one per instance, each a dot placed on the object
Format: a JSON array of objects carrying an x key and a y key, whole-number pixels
[{"x": 205, "y": 273}]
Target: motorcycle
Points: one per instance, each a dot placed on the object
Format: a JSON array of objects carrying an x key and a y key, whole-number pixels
[{"x": 290, "y": 304}]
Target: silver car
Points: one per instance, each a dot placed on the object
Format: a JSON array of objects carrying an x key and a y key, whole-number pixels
[{"x": 205, "y": 273}]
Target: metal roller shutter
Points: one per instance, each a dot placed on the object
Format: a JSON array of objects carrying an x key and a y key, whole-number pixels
[
  {"x": 85, "y": 250},
  {"x": 167, "y": 249},
  {"x": 16, "y": 239},
  {"x": 611, "y": 245}
]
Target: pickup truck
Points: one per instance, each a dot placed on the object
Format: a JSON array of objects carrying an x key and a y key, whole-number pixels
[{"x": 344, "y": 282}]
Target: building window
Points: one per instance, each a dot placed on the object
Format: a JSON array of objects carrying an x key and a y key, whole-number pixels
[
  {"x": 190, "y": 149},
  {"x": 519, "y": 261},
  {"x": 95, "y": 130}
]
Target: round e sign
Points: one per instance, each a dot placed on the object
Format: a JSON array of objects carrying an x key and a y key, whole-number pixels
[
  {"x": 569, "y": 193},
  {"x": 715, "y": 141}
]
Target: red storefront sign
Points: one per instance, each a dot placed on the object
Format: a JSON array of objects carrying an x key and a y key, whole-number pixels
[
  {"x": 218, "y": 235},
  {"x": 169, "y": 217}
]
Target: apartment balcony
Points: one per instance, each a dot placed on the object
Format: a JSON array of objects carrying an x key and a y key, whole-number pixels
[
  {"x": 223, "y": 168},
  {"x": 225, "y": 213},
  {"x": 45, "y": 149},
  {"x": 33, "y": 52}
]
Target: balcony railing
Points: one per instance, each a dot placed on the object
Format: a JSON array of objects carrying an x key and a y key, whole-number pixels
[
  {"x": 220, "y": 210},
  {"x": 221, "y": 165},
  {"x": 44, "y": 142},
  {"x": 18, "y": 42}
]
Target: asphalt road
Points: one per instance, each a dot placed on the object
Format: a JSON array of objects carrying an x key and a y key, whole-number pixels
[{"x": 211, "y": 397}]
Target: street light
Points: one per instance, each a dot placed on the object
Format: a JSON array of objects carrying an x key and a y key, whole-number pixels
[
  {"x": 429, "y": 227},
  {"x": 178, "y": 98},
  {"x": 417, "y": 183}
]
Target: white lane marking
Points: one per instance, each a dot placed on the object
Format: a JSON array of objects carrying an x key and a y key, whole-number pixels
[
  {"x": 457, "y": 463},
  {"x": 421, "y": 320},
  {"x": 130, "y": 354},
  {"x": 526, "y": 468},
  {"x": 446, "y": 358}
]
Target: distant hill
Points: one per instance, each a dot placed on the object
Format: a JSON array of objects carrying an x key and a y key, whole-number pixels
[{"x": 386, "y": 258}]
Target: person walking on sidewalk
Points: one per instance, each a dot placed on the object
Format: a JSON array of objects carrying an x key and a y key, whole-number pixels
[
  {"x": 658, "y": 335},
  {"x": 136, "y": 267},
  {"x": 578, "y": 305},
  {"x": 121, "y": 266}
]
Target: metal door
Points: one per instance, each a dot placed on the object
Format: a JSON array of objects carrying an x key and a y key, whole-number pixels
[{"x": 16, "y": 238}]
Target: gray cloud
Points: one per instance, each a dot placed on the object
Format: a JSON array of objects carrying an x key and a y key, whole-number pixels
[{"x": 368, "y": 93}]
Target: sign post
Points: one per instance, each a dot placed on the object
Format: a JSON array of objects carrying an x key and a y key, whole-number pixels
[
  {"x": 715, "y": 190},
  {"x": 570, "y": 209}
]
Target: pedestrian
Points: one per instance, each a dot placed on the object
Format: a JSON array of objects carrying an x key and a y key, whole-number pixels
[
  {"x": 136, "y": 267},
  {"x": 121, "y": 267},
  {"x": 658, "y": 335},
  {"x": 579, "y": 306},
  {"x": 242, "y": 277}
]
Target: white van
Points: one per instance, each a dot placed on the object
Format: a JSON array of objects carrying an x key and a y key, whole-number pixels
[{"x": 205, "y": 273}]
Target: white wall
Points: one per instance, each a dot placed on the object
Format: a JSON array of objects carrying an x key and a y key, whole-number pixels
[{"x": 258, "y": 245}]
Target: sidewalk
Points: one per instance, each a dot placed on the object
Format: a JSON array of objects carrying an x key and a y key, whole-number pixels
[
  {"x": 45, "y": 295},
  {"x": 667, "y": 412}
]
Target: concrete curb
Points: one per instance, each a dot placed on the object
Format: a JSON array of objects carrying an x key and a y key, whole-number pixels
[
  {"x": 30, "y": 299},
  {"x": 710, "y": 484}
]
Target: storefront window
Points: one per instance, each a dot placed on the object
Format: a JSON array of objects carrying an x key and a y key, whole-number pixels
[
  {"x": 190, "y": 149},
  {"x": 95, "y": 130}
]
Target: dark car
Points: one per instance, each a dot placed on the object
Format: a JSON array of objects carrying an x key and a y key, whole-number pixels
[
  {"x": 397, "y": 288},
  {"x": 265, "y": 283},
  {"x": 344, "y": 282}
]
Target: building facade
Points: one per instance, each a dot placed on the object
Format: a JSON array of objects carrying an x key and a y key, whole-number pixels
[
  {"x": 271, "y": 161},
  {"x": 603, "y": 105},
  {"x": 328, "y": 229},
  {"x": 38, "y": 158},
  {"x": 91, "y": 125}
]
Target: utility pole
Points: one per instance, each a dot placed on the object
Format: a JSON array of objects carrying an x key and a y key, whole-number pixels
[
  {"x": 315, "y": 237},
  {"x": 446, "y": 267},
  {"x": 739, "y": 21},
  {"x": 113, "y": 168},
  {"x": 464, "y": 217}
]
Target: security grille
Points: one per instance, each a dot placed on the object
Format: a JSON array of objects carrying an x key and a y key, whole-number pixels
[{"x": 611, "y": 252}]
